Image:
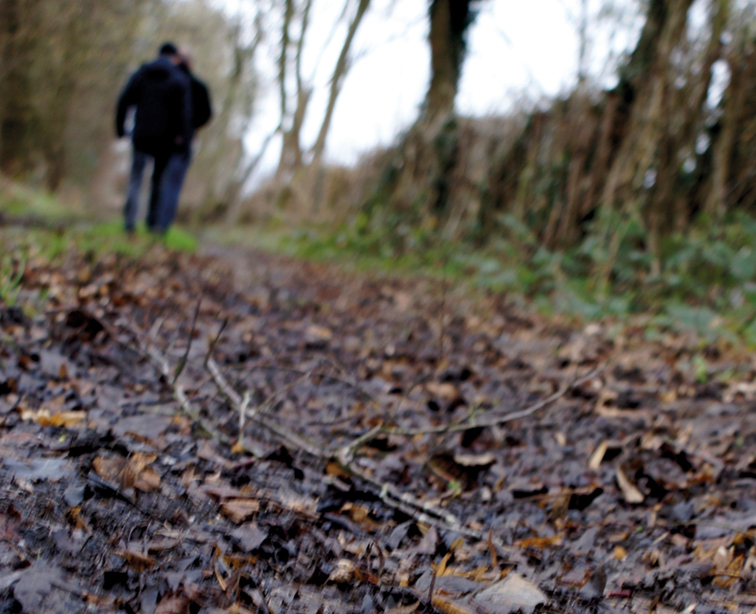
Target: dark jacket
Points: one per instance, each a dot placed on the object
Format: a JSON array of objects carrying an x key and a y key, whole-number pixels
[
  {"x": 162, "y": 95},
  {"x": 202, "y": 110}
]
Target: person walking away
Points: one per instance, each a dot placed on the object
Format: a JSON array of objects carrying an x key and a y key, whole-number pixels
[
  {"x": 161, "y": 94},
  {"x": 179, "y": 163}
]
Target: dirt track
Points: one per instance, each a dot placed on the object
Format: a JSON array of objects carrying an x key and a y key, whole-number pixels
[{"x": 405, "y": 448}]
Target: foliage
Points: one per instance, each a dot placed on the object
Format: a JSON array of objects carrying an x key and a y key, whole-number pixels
[
  {"x": 706, "y": 284},
  {"x": 39, "y": 224},
  {"x": 11, "y": 273}
]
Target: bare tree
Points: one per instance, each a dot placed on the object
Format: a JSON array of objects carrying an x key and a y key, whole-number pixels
[
  {"x": 17, "y": 30},
  {"x": 449, "y": 22},
  {"x": 294, "y": 105}
]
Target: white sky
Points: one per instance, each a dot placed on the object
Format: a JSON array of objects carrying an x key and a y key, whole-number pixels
[{"x": 517, "y": 51}]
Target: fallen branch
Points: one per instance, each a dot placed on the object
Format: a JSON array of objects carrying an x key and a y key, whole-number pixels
[
  {"x": 470, "y": 423},
  {"x": 344, "y": 457},
  {"x": 236, "y": 400},
  {"x": 182, "y": 363},
  {"x": 179, "y": 393}
]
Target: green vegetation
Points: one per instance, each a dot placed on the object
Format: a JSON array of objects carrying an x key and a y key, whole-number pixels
[
  {"x": 706, "y": 281},
  {"x": 38, "y": 223},
  {"x": 11, "y": 273}
]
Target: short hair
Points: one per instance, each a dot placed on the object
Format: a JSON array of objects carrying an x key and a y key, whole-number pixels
[{"x": 168, "y": 49}]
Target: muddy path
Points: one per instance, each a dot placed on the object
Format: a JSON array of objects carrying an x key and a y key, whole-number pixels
[{"x": 237, "y": 431}]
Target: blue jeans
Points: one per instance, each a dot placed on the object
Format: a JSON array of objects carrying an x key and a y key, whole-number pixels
[
  {"x": 161, "y": 217},
  {"x": 138, "y": 163}
]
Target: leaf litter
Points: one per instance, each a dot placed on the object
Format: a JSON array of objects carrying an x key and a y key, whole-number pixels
[{"x": 239, "y": 432}]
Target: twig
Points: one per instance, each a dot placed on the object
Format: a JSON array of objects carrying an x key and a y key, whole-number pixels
[
  {"x": 323, "y": 374},
  {"x": 496, "y": 421},
  {"x": 182, "y": 363},
  {"x": 389, "y": 494},
  {"x": 432, "y": 586},
  {"x": 242, "y": 411},
  {"x": 180, "y": 395},
  {"x": 235, "y": 399},
  {"x": 343, "y": 456},
  {"x": 214, "y": 342}
]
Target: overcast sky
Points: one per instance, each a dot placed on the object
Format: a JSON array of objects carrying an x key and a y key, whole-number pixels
[{"x": 517, "y": 51}]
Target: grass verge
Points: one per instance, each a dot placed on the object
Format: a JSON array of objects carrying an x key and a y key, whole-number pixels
[{"x": 705, "y": 286}]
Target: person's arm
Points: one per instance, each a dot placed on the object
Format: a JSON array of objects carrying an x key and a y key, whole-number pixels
[
  {"x": 203, "y": 110},
  {"x": 187, "y": 112},
  {"x": 128, "y": 98}
]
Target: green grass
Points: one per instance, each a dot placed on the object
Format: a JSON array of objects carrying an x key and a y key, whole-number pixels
[
  {"x": 20, "y": 201},
  {"x": 55, "y": 227},
  {"x": 707, "y": 283}
]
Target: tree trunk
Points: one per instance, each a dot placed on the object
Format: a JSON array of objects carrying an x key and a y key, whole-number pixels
[
  {"x": 15, "y": 104},
  {"x": 647, "y": 87},
  {"x": 291, "y": 159},
  {"x": 339, "y": 72},
  {"x": 449, "y": 20}
]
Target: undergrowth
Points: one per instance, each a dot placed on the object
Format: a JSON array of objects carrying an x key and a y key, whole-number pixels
[
  {"x": 36, "y": 225},
  {"x": 706, "y": 279},
  {"x": 38, "y": 218}
]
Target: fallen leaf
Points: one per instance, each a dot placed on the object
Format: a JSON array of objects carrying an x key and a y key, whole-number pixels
[
  {"x": 37, "y": 470},
  {"x": 447, "y": 606},
  {"x": 629, "y": 490},
  {"x": 239, "y": 510},
  {"x": 315, "y": 333},
  {"x": 178, "y": 604},
  {"x": 44, "y": 417},
  {"x": 250, "y": 536},
  {"x": 136, "y": 560},
  {"x": 404, "y": 609},
  {"x": 539, "y": 543},
  {"x": 343, "y": 573},
  {"x": 114, "y": 470},
  {"x": 731, "y": 574},
  {"x": 444, "y": 390},
  {"x": 147, "y": 480},
  {"x": 512, "y": 594}
]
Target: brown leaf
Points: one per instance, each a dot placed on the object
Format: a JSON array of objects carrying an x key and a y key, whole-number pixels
[
  {"x": 114, "y": 470},
  {"x": 539, "y": 543},
  {"x": 445, "y": 391},
  {"x": 145, "y": 478},
  {"x": 512, "y": 594},
  {"x": 66, "y": 418},
  {"x": 178, "y": 604},
  {"x": 315, "y": 333},
  {"x": 140, "y": 460},
  {"x": 629, "y": 490},
  {"x": 731, "y": 574},
  {"x": 447, "y": 606},
  {"x": 598, "y": 455},
  {"x": 147, "y": 481},
  {"x": 344, "y": 572},
  {"x": 45, "y": 417},
  {"x": 136, "y": 560},
  {"x": 239, "y": 510}
]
